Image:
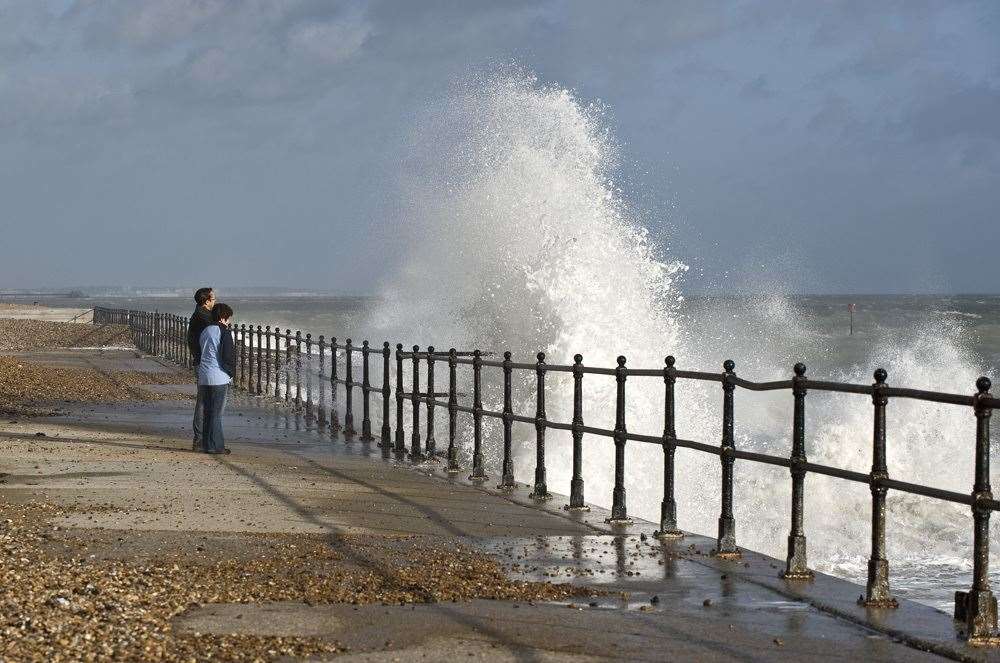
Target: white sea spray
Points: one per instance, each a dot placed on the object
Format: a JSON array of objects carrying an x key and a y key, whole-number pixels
[{"x": 519, "y": 239}]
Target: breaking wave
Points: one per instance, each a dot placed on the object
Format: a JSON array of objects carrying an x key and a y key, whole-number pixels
[{"x": 518, "y": 238}]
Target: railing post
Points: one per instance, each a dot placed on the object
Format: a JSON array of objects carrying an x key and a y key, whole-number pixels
[
  {"x": 308, "y": 371},
  {"x": 386, "y": 438},
  {"x": 726, "y": 544},
  {"x": 260, "y": 354},
  {"x": 267, "y": 361},
  {"x": 576, "y": 502},
  {"x": 415, "y": 452},
  {"x": 321, "y": 401},
  {"x": 978, "y": 607},
  {"x": 430, "y": 444},
  {"x": 288, "y": 365},
  {"x": 478, "y": 471},
  {"x": 507, "y": 473},
  {"x": 668, "y": 507},
  {"x": 877, "y": 591},
  {"x": 298, "y": 370},
  {"x": 796, "y": 567},
  {"x": 366, "y": 422},
  {"x": 349, "y": 431},
  {"x": 452, "y": 410},
  {"x": 276, "y": 358},
  {"x": 250, "y": 360},
  {"x": 400, "y": 435},
  {"x": 334, "y": 415},
  {"x": 540, "y": 491},
  {"x": 243, "y": 354},
  {"x": 619, "y": 514}
]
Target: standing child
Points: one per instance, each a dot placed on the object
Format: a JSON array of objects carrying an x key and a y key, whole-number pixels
[{"x": 215, "y": 372}]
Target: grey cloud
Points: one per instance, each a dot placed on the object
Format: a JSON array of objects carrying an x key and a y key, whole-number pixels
[
  {"x": 835, "y": 116},
  {"x": 968, "y": 112},
  {"x": 758, "y": 88},
  {"x": 60, "y": 98},
  {"x": 234, "y": 118},
  {"x": 698, "y": 67}
]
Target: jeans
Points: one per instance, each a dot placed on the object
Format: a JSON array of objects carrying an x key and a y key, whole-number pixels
[
  {"x": 199, "y": 414},
  {"x": 213, "y": 399}
]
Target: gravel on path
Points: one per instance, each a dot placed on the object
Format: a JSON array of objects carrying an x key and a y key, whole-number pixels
[
  {"x": 64, "y": 595},
  {"x": 20, "y": 334}
]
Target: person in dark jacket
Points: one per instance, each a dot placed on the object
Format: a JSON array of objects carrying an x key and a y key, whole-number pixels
[
  {"x": 201, "y": 318},
  {"x": 215, "y": 372}
]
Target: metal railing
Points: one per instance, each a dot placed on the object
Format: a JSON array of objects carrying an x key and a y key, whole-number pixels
[{"x": 263, "y": 366}]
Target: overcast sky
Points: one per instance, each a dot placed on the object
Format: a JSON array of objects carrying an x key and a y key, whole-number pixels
[{"x": 828, "y": 146}]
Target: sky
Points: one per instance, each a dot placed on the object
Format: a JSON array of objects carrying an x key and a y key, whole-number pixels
[{"x": 843, "y": 146}]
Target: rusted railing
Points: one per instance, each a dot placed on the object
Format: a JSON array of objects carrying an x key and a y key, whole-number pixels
[{"x": 165, "y": 335}]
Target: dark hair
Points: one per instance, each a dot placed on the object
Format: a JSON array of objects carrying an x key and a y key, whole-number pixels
[
  {"x": 220, "y": 311},
  {"x": 202, "y": 295}
]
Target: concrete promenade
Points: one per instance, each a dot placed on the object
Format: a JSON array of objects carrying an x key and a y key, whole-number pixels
[{"x": 136, "y": 490}]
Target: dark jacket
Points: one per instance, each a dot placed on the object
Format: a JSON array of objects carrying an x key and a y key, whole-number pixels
[
  {"x": 227, "y": 352},
  {"x": 200, "y": 319}
]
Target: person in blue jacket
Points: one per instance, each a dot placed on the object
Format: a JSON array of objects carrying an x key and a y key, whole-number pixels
[{"x": 215, "y": 372}]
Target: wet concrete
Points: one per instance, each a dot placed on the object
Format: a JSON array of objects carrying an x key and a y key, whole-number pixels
[
  {"x": 750, "y": 628},
  {"x": 286, "y": 476}
]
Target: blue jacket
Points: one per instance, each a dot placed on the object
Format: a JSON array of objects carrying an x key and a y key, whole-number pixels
[{"x": 218, "y": 356}]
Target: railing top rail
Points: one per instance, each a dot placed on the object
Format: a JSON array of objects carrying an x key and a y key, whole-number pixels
[{"x": 467, "y": 357}]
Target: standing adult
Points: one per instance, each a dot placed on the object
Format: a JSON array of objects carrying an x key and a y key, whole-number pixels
[
  {"x": 215, "y": 372},
  {"x": 201, "y": 318}
]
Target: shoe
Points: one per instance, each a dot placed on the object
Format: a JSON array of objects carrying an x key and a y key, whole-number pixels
[
  {"x": 224, "y": 452},
  {"x": 196, "y": 446}
]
